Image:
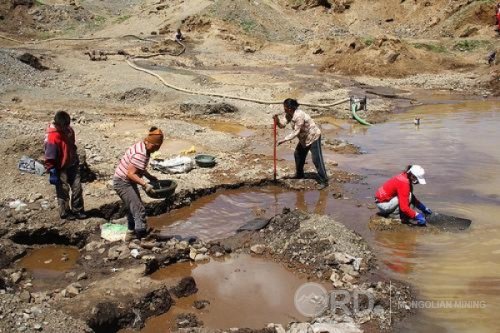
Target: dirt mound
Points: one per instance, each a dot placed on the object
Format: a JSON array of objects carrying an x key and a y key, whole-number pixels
[
  {"x": 32, "y": 60},
  {"x": 138, "y": 94},
  {"x": 167, "y": 46},
  {"x": 15, "y": 3},
  {"x": 52, "y": 17},
  {"x": 196, "y": 23},
  {"x": 387, "y": 57},
  {"x": 494, "y": 84},
  {"x": 29, "y": 20},
  {"x": 209, "y": 108},
  {"x": 110, "y": 316},
  {"x": 301, "y": 4},
  {"x": 15, "y": 19},
  {"x": 467, "y": 19},
  {"x": 298, "y": 238},
  {"x": 342, "y": 146},
  {"x": 260, "y": 20},
  {"x": 24, "y": 145},
  {"x": 15, "y": 72}
]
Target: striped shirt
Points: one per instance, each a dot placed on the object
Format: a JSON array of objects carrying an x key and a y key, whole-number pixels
[{"x": 135, "y": 155}]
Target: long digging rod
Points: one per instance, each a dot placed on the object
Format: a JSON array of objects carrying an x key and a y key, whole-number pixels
[{"x": 274, "y": 148}]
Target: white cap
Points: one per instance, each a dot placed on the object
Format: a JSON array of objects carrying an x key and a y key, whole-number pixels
[{"x": 418, "y": 172}]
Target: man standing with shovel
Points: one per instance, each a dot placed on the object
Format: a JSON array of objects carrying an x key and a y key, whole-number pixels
[{"x": 309, "y": 135}]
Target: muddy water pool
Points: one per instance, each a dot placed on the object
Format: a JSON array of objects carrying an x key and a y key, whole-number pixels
[
  {"x": 242, "y": 291},
  {"x": 218, "y": 215},
  {"x": 457, "y": 144},
  {"x": 49, "y": 264}
]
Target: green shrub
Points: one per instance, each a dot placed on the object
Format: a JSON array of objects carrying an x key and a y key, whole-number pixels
[
  {"x": 430, "y": 47},
  {"x": 122, "y": 18},
  {"x": 368, "y": 40},
  {"x": 470, "y": 45},
  {"x": 248, "y": 25}
]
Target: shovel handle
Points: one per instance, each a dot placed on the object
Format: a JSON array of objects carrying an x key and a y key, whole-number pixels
[{"x": 274, "y": 153}]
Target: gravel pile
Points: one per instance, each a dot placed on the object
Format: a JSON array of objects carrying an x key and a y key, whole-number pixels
[
  {"x": 16, "y": 73},
  {"x": 17, "y": 315}
]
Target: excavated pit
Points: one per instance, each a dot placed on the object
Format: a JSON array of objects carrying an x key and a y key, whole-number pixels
[{"x": 47, "y": 235}]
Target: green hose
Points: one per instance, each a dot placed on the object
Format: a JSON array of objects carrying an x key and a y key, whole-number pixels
[{"x": 355, "y": 116}]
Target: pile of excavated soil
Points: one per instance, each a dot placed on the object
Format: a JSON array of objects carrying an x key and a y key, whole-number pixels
[
  {"x": 494, "y": 84},
  {"x": 323, "y": 249},
  {"x": 14, "y": 72},
  {"x": 18, "y": 315},
  {"x": 387, "y": 57},
  {"x": 313, "y": 244}
]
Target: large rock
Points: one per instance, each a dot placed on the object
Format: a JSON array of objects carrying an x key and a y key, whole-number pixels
[
  {"x": 32, "y": 60},
  {"x": 15, "y": 3},
  {"x": 306, "y": 4},
  {"x": 186, "y": 287},
  {"x": 300, "y": 328},
  {"x": 9, "y": 252},
  {"x": 112, "y": 316},
  {"x": 258, "y": 248},
  {"x": 336, "y": 328}
]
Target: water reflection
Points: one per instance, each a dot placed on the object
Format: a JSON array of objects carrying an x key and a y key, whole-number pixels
[
  {"x": 218, "y": 215},
  {"x": 457, "y": 144}
]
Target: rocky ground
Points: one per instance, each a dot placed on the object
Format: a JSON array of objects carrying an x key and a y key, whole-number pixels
[
  {"x": 110, "y": 288},
  {"x": 316, "y": 51}
]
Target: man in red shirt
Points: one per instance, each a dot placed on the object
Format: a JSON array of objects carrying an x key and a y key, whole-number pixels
[
  {"x": 396, "y": 195},
  {"x": 61, "y": 161},
  {"x": 498, "y": 17}
]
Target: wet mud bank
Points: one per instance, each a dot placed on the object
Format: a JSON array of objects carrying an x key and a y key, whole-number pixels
[{"x": 111, "y": 286}]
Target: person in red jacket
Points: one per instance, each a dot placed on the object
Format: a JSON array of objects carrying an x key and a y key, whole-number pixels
[
  {"x": 396, "y": 195},
  {"x": 498, "y": 17},
  {"x": 62, "y": 164}
]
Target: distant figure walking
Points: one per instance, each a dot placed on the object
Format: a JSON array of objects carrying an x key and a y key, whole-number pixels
[
  {"x": 178, "y": 36},
  {"x": 492, "y": 57}
]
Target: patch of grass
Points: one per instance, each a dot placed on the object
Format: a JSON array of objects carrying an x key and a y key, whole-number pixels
[
  {"x": 99, "y": 20},
  {"x": 470, "y": 45},
  {"x": 39, "y": 2},
  {"x": 45, "y": 35},
  {"x": 296, "y": 3},
  {"x": 438, "y": 48},
  {"x": 248, "y": 25},
  {"x": 122, "y": 18},
  {"x": 368, "y": 40}
]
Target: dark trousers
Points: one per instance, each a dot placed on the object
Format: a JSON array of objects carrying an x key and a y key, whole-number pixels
[
  {"x": 68, "y": 187},
  {"x": 129, "y": 193},
  {"x": 317, "y": 157}
]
